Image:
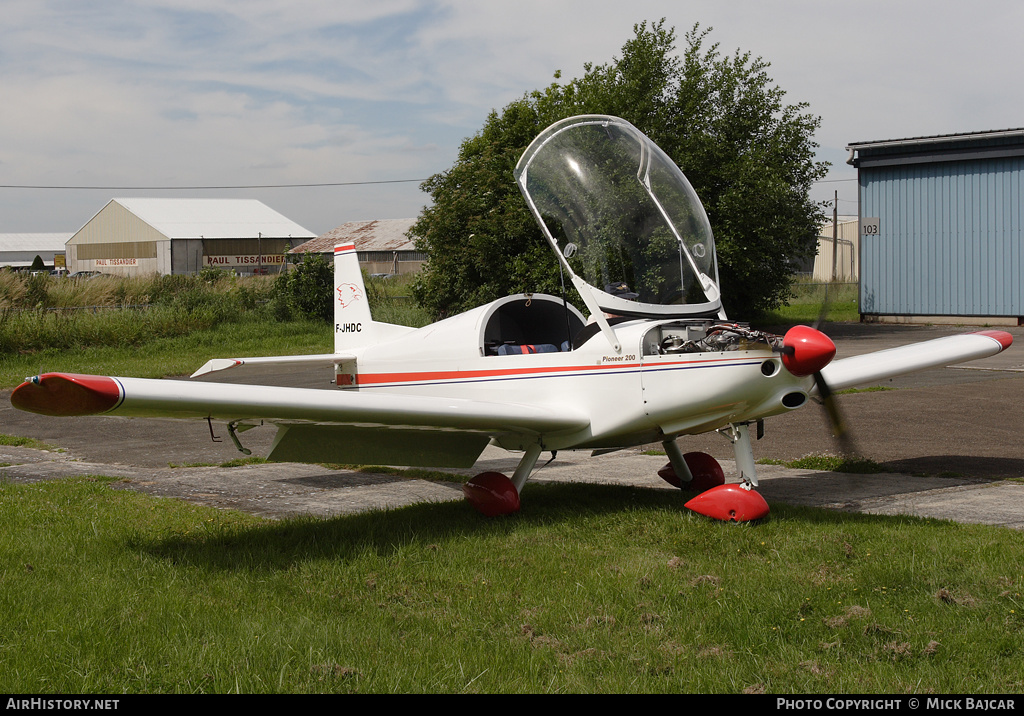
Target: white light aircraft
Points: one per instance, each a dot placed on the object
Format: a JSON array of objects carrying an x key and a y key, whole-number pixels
[{"x": 655, "y": 361}]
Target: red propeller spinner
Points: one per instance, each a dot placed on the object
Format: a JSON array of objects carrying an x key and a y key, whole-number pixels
[{"x": 806, "y": 350}]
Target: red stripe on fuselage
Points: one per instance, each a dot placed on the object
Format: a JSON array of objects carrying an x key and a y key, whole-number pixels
[{"x": 368, "y": 379}]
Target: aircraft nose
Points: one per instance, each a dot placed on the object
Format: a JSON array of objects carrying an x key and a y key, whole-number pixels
[{"x": 806, "y": 350}]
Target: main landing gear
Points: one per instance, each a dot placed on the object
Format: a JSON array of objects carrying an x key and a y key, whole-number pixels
[
  {"x": 699, "y": 472},
  {"x": 493, "y": 494}
]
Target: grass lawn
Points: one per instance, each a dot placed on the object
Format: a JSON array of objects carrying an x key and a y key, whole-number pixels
[
  {"x": 589, "y": 589},
  {"x": 808, "y": 298}
]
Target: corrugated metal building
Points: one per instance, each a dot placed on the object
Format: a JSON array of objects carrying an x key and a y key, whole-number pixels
[
  {"x": 841, "y": 264},
  {"x": 139, "y": 236},
  {"x": 382, "y": 245},
  {"x": 940, "y": 231},
  {"x": 20, "y": 250}
]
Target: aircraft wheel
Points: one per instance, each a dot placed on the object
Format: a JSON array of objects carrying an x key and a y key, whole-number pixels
[
  {"x": 729, "y": 503},
  {"x": 492, "y": 494},
  {"x": 706, "y": 471}
]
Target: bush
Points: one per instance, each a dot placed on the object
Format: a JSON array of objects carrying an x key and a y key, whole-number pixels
[
  {"x": 307, "y": 288},
  {"x": 36, "y": 291}
]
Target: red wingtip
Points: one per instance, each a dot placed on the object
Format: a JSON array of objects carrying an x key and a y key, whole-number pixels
[
  {"x": 810, "y": 350},
  {"x": 67, "y": 394},
  {"x": 1002, "y": 337}
]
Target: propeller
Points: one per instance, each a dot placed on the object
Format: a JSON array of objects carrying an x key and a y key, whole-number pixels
[
  {"x": 806, "y": 351},
  {"x": 840, "y": 428}
]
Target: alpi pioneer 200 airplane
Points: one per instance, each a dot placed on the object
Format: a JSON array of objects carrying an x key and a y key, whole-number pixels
[{"x": 654, "y": 360}]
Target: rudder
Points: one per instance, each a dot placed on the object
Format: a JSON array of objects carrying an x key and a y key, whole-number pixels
[{"x": 353, "y": 324}]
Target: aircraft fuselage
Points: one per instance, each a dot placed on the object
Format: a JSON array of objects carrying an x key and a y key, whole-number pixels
[{"x": 632, "y": 396}]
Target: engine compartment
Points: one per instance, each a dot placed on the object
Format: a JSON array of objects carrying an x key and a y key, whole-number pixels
[{"x": 706, "y": 336}]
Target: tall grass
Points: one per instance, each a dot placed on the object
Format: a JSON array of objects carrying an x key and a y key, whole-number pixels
[
  {"x": 47, "y": 313},
  {"x": 39, "y": 313},
  {"x": 391, "y": 301},
  {"x": 806, "y": 303},
  {"x": 155, "y": 326},
  {"x": 21, "y": 291}
]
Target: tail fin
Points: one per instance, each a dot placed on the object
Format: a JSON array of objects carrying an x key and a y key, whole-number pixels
[{"x": 353, "y": 325}]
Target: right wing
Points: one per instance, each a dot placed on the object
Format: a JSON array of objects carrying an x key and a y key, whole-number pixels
[{"x": 879, "y": 365}]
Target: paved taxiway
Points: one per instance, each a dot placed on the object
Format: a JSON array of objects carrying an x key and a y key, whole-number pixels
[{"x": 953, "y": 439}]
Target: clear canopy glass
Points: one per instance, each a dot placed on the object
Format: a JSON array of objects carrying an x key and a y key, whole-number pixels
[{"x": 622, "y": 217}]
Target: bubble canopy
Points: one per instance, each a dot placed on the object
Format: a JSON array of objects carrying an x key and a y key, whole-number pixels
[{"x": 622, "y": 218}]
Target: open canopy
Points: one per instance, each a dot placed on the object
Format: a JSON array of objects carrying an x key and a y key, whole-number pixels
[{"x": 621, "y": 217}]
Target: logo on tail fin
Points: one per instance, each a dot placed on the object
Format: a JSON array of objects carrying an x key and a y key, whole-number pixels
[{"x": 349, "y": 293}]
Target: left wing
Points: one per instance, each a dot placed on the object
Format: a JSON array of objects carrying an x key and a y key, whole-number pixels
[
  {"x": 69, "y": 394},
  {"x": 314, "y": 425}
]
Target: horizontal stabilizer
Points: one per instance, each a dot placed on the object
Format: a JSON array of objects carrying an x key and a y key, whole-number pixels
[
  {"x": 219, "y": 364},
  {"x": 880, "y": 365}
]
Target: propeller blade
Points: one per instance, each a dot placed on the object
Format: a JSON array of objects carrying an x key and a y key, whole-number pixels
[
  {"x": 837, "y": 423},
  {"x": 805, "y": 352}
]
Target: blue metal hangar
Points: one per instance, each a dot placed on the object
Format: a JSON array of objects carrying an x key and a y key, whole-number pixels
[{"x": 940, "y": 228}]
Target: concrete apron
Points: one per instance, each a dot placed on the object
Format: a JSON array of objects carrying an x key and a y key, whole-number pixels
[{"x": 291, "y": 489}]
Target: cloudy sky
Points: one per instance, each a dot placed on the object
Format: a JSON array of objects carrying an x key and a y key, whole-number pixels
[{"x": 135, "y": 96}]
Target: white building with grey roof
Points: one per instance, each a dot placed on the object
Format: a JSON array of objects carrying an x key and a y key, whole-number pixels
[
  {"x": 20, "y": 250},
  {"x": 176, "y": 236}
]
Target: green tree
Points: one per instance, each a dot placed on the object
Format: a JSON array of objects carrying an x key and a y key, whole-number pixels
[
  {"x": 308, "y": 288},
  {"x": 749, "y": 156}
]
